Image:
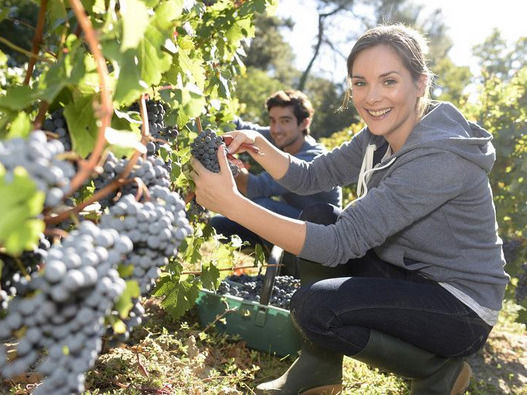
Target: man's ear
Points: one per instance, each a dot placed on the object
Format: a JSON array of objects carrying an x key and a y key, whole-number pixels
[{"x": 305, "y": 123}]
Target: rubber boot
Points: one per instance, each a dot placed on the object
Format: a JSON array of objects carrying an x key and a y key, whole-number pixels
[
  {"x": 430, "y": 374},
  {"x": 314, "y": 372}
]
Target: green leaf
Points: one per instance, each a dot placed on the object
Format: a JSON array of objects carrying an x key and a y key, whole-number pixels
[
  {"x": 134, "y": 19},
  {"x": 82, "y": 124},
  {"x": 119, "y": 326},
  {"x": 181, "y": 297},
  {"x": 3, "y": 59},
  {"x": 21, "y": 126},
  {"x": 125, "y": 303},
  {"x": 129, "y": 85},
  {"x": 124, "y": 139},
  {"x": 17, "y": 98},
  {"x": 20, "y": 203},
  {"x": 210, "y": 276}
]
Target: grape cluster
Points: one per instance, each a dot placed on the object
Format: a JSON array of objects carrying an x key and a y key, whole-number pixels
[
  {"x": 156, "y": 124},
  {"x": 205, "y": 147},
  {"x": 250, "y": 288},
  {"x": 152, "y": 171},
  {"x": 57, "y": 124},
  {"x": 65, "y": 314},
  {"x": 156, "y": 229},
  {"x": 38, "y": 156},
  {"x": 11, "y": 280}
]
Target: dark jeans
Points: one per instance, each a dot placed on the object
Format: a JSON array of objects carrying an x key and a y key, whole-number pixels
[
  {"x": 226, "y": 227},
  {"x": 369, "y": 293}
]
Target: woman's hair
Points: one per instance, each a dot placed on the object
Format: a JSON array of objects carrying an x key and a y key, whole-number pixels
[
  {"x": 411, "y": 47},
  {"x": 302, "y": 107}
]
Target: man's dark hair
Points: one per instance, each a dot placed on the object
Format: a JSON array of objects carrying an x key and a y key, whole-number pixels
[{"x": 302, "y": 107}]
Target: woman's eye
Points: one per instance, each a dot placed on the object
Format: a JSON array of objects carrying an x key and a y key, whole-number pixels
[
  {"x": 389, "y": 82},
  {"x": 358, "y": 83}
]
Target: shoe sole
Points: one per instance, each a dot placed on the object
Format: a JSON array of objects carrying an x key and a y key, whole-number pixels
[
  {"x": 463, "y": 380},
  {"x": 332, "y": 389}
]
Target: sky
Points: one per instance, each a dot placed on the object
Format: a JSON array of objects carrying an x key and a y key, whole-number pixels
[{"x": 469, "y": 22}]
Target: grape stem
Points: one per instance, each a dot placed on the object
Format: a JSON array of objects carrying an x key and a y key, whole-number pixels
[{"x": 37, "y": 39}]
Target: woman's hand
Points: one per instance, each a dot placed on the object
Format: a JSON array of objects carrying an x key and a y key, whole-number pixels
[
  {"x": 215, "y": 191},
  {"x": 242, "y": 141}
]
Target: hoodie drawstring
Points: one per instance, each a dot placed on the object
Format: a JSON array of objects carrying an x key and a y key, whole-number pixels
[{"x": 367, "y": 170}]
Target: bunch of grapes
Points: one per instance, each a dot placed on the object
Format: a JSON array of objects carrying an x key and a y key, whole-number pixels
[
  {"x": 39, "y": 157},
  {"x": 156, "y": 124},
  {"x": 205, "y": 147},
  {"x": 152, "y": 171},
  {"x": 156, "y": 228},
  {"x": 64, "y": 315},
  {"x": 250, "y": 288},
  {"x": 57, "y": 124},
  {"x": 12, "y": 282}
]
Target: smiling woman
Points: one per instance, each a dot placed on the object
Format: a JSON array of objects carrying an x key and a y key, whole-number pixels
[
  {"x": 409, "y": 277},
  {"x": 390, "y": 83}
]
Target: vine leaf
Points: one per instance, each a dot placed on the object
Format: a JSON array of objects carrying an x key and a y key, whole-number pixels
[
  {"x": 134, "y": 22},
  {"x": 21, "y": 126},
  {"x": 178, "y": 296},
  {"x": 125, "y": 139},
  {"x": 83, "y": 129},
  {"x": 210, "y": 276},
  {"x": 124, "y": 303},
  {"x": 20, "y": 203},
  {"x": 17, "y": 98}
]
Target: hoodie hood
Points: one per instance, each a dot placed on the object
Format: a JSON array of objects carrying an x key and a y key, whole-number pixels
[{"x": 444, "y": 127}]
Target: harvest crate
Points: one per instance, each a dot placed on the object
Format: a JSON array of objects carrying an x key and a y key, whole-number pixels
[{"x": 264, "y": 327}]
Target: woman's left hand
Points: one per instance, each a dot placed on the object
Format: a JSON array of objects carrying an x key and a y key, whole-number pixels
[{"x": 215, "y": 191}]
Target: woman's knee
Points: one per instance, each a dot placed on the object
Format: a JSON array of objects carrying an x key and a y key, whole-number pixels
[
  {"x": 322, "y": 213},
  {"x": 309, "y": 310}
]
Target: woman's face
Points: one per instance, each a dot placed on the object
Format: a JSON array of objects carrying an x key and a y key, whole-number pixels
[{"x": 385, "y": 95}]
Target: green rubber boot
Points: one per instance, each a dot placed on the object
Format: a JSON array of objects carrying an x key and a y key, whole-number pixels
[
  {"x": 313, "y": 372},
  {"x": 430, "y": 373}
]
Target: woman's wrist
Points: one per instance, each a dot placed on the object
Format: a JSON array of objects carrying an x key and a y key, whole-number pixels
[{"x": 235, "y": 211}]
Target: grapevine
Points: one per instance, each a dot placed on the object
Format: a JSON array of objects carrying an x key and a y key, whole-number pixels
[{"x": 89, "y": 221}]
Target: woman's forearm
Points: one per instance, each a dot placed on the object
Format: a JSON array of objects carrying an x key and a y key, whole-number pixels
[{"x": 284, "y": 232}]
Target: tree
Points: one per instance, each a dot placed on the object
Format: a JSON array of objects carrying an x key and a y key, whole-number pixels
[
  {"x": 497, "y": 59},
  {"x": 268, "y": 51},
  {"x": 332, "y": 14},
  {"x": 327, "y": 98},
  {"x": 451, "y": 81}
]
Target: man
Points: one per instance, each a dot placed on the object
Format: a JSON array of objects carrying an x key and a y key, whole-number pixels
[{"x": 290, "y": 114}]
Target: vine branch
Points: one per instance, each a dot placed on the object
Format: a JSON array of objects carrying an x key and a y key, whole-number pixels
[
  {"x": 37, "y": 39},
  {"x": 106, "y": 109}
]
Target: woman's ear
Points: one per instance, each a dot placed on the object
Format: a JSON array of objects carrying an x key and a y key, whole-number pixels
[{"x": 422, "y": 85}]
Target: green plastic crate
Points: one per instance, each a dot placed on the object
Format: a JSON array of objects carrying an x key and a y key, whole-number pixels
[{"x": 264, "y": 328}]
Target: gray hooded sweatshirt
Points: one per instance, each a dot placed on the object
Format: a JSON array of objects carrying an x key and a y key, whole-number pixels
[{"x": 428, "y": 207}]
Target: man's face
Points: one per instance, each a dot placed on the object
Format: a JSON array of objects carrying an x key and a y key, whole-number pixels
[{"x": 285, "y": 130}]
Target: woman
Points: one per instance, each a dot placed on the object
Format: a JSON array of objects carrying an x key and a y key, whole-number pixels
[{"x": 409, "y": 277}]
